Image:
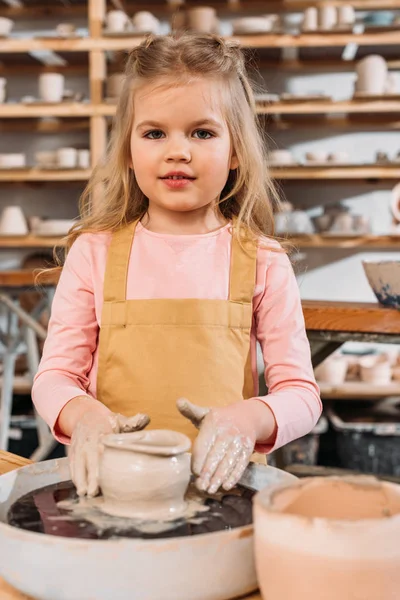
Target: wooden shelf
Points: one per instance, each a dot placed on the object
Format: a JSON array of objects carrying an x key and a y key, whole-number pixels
[
  {"x": 344, "y": 106},
  {"x": 65, "y": 175},
  {"x": 362, "y": 241},
  {"x": 123, "y": 43},
  {"x": 358, "y": 390},
  {"x": 62, "y": 109},
  {"x": 29, "y": 241},
  {"x": 332, "y": 172}
]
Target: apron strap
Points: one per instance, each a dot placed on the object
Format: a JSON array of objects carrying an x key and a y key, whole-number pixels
[
  {"x": 119, "y": 253},
  {"x": 243, "y": 268}
]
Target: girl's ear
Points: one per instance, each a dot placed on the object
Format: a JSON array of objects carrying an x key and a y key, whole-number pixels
[{"x": 234, "y": 162}]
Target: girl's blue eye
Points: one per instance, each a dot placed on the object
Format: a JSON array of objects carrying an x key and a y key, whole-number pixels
[
  {"x": 201, "y": 133},
  {"x": 154, "y": 135}
]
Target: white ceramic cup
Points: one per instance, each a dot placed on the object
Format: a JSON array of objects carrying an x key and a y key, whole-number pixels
[
  {"x": 333, "y": 370},
  {"x": 67, "y": 158},
  {"x": 346, "y": 15},
  {"x": 13, "y": 222},
  {"x": 6, "y": 26},
  {"x": 202, "y": 18},
  {"x": 116, "y": 21},
  {"x": 51, "y": 87},
  {"x": 65, "y": 29},
  {"x": 12, "y": 160},
  {"x": 46, "y": 159},
  {"x": 84, "y": 159},
  {"x": 319, "y": 156},
  {"x": 372, "y": 75},
  {"x": 281, "y": 157},
  {"x": 3, "y": 89},
  {"x": 310, "y": 20},
  {"x": 327, "y": 17},
  {"x": 144, "y": 21}
]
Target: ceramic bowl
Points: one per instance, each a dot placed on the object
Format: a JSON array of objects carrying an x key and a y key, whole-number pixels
[
  {"x": 384, "y": 279},
  {"x": 12, "y": 160}
]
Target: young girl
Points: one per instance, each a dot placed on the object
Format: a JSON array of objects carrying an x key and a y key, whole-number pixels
[{"x": 172, "y": 277}]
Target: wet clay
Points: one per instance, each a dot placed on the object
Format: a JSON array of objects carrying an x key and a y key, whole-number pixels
[
  {"x": 337, "y": 537},
  {"x": 145, "y": 474}
]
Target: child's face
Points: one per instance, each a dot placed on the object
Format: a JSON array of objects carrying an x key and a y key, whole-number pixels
[{"x": 181, "y": 129}]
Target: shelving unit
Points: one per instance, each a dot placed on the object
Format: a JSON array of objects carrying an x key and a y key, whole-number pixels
[{"x": 89, "y": 56}]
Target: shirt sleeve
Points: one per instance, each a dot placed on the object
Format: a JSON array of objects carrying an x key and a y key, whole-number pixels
[
  {"x": 71, "y": 340},
  {"x": 293, "y": 393}
]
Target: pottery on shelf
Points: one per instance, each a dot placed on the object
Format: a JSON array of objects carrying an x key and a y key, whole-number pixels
[
  {"x": 13, "y": 221},
  {"x": 3, "y": 89},
  {"x": 327, "y": 17},
  {"x": 50, "y": 227},
  {"x": 332, "y": 370},
  {"x": 12, "y": 160},
  {"x": 67, "y": 158},
  {"x": 84, "y": 159},
  {"x": 117, "y": 21},
  {"x": 65, "y": 29},
  {"x": 46, "y": 159},
  {"x": 384, "y": 279},
  {"x": 261, "y": 24},
  {"x": 317, "y": 156},
  {"x": 145, "y": 474},
  {"x": 281, "y": 157},
  {"x": 346, "y": 15},
  {"x": 340, "y": 157},
  {"x": 51, "y": 87},
  {"x": 328, "y": 538},
  {"x": 310, "y": 19},
  {"x": 376, "y": 370},
  {"x": 145, "y": 22},
  {"x": 202, "y": 19},
  {"x": 6, "y": 26},
  {"x": 371, "y": 75}
]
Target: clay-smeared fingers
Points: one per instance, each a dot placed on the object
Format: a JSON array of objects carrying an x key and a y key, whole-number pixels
[
  {"x": 80, "y": 472},
  {"x": 135, "y": 423},
  {"x": 92, "y": 467},
  {"x": 213, "y": 460},
  {"x": 225, "y": 468},
  {"x": 191, "y": 411},
  {"x": 239, "y": 469},
  {"x": 203, "y": 444}
]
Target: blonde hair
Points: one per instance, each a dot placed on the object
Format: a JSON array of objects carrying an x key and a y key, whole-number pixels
[{"x": 249, "y": 194}]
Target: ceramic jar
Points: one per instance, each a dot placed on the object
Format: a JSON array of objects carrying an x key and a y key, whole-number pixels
[
  {"x": 310, "y": 19},
  {"x": 202, "y": 19},
  {"x": 145, "y": 474},
  {"x": 3, "y": 89},
  {"x": 327, "y": 17},
  {"x": 6, "y": 26},
  {"x": 13, "y": 221},
  {"x": 371, "y": 75},
  {"x": 333, "y": 370},
  {"x": 328, "y": 538},
  {"x": 116, "y": 21},
  {"x": 51, "y": 87}
]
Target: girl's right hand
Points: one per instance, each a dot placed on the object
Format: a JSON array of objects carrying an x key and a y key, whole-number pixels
[{"x": 86, "y": 448}]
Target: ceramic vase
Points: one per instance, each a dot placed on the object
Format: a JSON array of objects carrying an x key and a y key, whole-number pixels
[
  {"x": 327, "y": 17},
  {"x": 13, "y": 222},
  {"x": 51, "y": 87},
  {"x": 371, "y": 75},
  {"x": 145, "y": 474},
  {"x": 202, "y": 19},
  {"x": 328, "y": 538},
  {"x": 3, "y": 89}
]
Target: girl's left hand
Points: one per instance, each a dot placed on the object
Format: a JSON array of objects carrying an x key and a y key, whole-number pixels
[{"x": 223, "y": 448}]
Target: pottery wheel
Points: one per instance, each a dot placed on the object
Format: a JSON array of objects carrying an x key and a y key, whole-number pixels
[{"x": 43, "y": 511}]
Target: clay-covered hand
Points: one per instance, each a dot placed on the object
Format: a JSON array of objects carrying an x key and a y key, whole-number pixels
[
  {"x": 226, "y": 440},
  {"x": 85, "y": 449}
]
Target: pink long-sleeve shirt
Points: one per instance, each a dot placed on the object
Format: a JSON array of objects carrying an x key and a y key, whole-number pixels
[{"x": 179, "y": 266}]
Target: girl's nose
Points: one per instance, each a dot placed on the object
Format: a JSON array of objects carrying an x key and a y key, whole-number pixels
[{"x": 178, "y": 150}]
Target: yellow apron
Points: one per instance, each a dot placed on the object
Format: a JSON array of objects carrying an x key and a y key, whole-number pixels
[{"x": 154, "y": 351}]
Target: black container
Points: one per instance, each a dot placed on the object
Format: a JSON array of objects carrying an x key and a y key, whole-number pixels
[{"x": 368, "y": 436}]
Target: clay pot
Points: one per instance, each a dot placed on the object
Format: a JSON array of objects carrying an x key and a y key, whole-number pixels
[
  {"x": 328, "y": 538},
  {"x": 202, "y": 18},
  {"x": 145, "y": 474},
  {"x": 51, "y": 87},
  {"x": 376, "y": 370},
  {"x": 333, "y": 370},
  {"x": 372, "y": 75}
]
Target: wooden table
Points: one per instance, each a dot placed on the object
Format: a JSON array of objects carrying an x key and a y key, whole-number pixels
[
  {"x": 331, "y": 324},
  {"x": 9, "y": 462}
]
